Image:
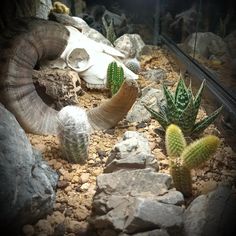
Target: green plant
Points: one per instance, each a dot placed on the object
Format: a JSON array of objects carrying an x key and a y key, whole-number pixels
[
  {"x": 181, "y": 108},
  {"x": 109, "y": 28},
  {"x": 185, "y": 157},
  {"x": 73, "y": 133},
  {"x": 115, "y": 77},
  {"x": 133, "y": 64}
]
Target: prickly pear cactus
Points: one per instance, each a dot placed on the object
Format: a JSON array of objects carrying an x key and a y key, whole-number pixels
[{"x": 73, "y": 131}]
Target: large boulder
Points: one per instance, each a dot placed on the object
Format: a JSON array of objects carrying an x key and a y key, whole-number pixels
[
  {"x": 27, "y": 183},
  {"x": 212, "y": 214},
  {"x": 208, "y": 44}
]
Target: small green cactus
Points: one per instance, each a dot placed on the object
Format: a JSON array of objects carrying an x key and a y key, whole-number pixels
[
  {"x": 115, "y": 77},
  {"x": 182, "y": 179},
  {"x": 199, "y": 151},
  {"x": 184, "y": 157},
  {"x": 133, "y": 64},
  {"x": 182, "y": 108}
]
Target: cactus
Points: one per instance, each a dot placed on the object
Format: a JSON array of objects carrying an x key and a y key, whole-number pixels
[
  {"x": 184, "y": 157},
  {"x": 199, "y": 151},
  {"x": 182, "y": 179},
  {"x": 175, "y": 141},
  {"x": 182, "y": 108},
  {"x": 133, "y": 64},
  {"x": 115, "y": 77},
  {"x": 73, "y": 130}
]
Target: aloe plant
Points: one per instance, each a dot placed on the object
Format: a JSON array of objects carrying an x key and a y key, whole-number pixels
[
  {"x": 185, "y": 157},
  {"x": 182, "y": 108},
  {"x": 115, "y": 77}
]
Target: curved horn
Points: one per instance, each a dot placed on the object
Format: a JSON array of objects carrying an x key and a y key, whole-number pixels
[
  {"x": 34, "y": 40},
  {"x": 109, "y": 113}
]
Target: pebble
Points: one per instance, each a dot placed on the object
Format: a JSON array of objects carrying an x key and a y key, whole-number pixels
[
  {"x": 28, "y": 230},
  {"x": 84, "y": 178},
  {"x": 72, "y": 226},
  {"x": 81, "y": 213},
  {"x": 85, "y": 187},
  {"x": 43, "y": 226},
  {"x": 62, "y": 184},
  {"x": 56, "y": 218}
]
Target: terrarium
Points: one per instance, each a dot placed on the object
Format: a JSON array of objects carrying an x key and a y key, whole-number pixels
[{"x": 117, "y": 117}]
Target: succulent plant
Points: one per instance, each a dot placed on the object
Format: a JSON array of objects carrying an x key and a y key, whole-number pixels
[
  {"x": 73, "y": 130},
  {"x": 115, "y": 77},
  {"x": 185, "y": 157},
  {"x": 181, "y": 108},
  {"x": 109, "y": 28},
  {"x": 133, "y": 64}
]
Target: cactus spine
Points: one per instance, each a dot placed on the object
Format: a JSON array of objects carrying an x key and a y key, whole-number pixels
[
  {"x": 115, "y": 77},
  {"x": 73, "y": 130},
  {"x": 183, "y": 158}
]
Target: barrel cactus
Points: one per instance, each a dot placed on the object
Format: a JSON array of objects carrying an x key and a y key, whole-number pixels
[
  {"x": 133, "y": 64},
  {"x": 115, "y": 77},
  {"x": 181, "y": 108},
  {"x": 73, "y": 131},
  {"x": 185, "y": 157}
]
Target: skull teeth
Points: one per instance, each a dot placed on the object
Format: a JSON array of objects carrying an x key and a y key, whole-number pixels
[{"x": 95, "y": 86}]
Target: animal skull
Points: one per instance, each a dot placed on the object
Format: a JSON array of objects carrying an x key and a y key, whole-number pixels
[{"x": 91, "y": 59}]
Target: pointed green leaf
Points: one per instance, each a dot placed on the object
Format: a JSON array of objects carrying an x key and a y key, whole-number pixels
[
  {"x": 158, "y": 116},
  {"x": 197, "y": 100},
  {"x": 186, "y": 120},
  {"x": 171, "y": 111},
  {"x": 181, "y": 96},
  {"x": 203, "y": 124}
]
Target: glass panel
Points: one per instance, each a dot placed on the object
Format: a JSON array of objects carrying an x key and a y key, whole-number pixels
[{"x": 205, "y": 30}]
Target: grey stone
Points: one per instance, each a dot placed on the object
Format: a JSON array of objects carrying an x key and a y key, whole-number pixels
[
  {"x": 130, "y": 45},
  {"x": 134, "y": 182},
  {"x": 156, "y": 232},
  {"x": 212, "y": 214},
  {"x": 230, "y": 40},
  {"x": 132, "y": 152},
  {"x": 43, "y": 9},
  {"x": 207, "y": 44},
  {"x": 27, "y": 183},
  {"x": 172, "y": 197},
  {"x": 156, "y": 75},
  {"x": 151, "y": 97},
  {"x": 140, "y": 161},
  {"x": 148, "y": 214}
]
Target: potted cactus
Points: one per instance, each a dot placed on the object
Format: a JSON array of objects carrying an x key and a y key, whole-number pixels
[
  {"x": 185, "y": 157},
  {"x": 181, "y": 108}
]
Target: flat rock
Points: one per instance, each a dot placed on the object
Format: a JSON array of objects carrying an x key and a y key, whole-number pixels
[
  {"x": 134, "y": 182},
  {"x": 157, "y": 75},
  {"x": 159, "y": 215}
]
